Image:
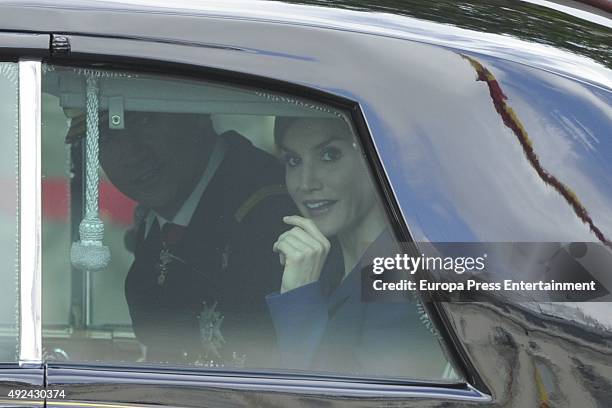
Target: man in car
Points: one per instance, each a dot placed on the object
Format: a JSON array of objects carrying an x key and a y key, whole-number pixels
[{"x": 213, "y": 207}]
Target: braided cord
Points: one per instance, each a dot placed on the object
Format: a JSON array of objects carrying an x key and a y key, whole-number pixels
[
  {"x": 89, "y": 254},
  {"x": 91, "y": 150},
  {"x": 91, "y": 228}
]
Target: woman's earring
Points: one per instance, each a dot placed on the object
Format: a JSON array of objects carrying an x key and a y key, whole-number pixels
[{"x": 355, "y": 145}]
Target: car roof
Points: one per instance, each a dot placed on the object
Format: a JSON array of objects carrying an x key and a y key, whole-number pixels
[
  {"x": 464, "y": 13},
  {"x": 542, "y": 35}
]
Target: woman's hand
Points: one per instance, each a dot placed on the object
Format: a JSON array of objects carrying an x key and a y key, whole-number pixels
[{"x": 302, "y": 250}]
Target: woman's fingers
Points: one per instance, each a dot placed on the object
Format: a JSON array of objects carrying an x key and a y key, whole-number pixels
[
  {"x": 308, "y": 226},
  {"x": 302, "y": 251},
  {"x": 304, "y": 237},
  {"x": 285, "y": 249},
  {"x": 294, "y": 247},
  {"x": 298, "y": 247},
  {"x": 304, "y": 223},
  {"x": 281, "y": 258},
  {"x": 301, "y": 263},
  {"x": 281, "y": 255}
]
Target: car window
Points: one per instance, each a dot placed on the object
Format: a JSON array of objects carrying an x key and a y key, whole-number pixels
[
  {"x": 9, "y": 232},
  {"x": 204, "y": 224}
]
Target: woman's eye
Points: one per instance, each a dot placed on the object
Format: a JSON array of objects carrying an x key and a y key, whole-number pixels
[{"x": 331, "y": 154}]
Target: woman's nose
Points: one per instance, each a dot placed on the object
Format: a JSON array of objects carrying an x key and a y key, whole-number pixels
[{"x": 310, "y": 178}]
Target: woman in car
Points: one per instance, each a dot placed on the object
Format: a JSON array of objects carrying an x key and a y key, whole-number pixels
[{"x": 323, "y": 316}]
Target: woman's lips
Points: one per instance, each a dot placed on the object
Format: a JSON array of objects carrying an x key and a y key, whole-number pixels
[{"x": 318, "y": 207}]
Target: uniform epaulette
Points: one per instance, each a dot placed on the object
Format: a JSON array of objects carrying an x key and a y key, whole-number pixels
[{"x": 255, "y": 198}]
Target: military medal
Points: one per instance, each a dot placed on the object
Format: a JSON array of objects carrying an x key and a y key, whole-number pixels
[
  {"x": 210, "y": 331},
  {"x": 165, "y": 258},
  {"x": 171, "y": 235}
]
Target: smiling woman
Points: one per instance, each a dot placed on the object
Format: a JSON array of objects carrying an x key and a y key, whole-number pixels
[{"x": 321, "y": 318}]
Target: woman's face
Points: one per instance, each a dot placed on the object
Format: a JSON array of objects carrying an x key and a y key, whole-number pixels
[{"x": 326, "y": 175}]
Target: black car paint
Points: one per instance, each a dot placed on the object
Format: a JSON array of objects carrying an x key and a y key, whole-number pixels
[{"x": 283, "y": 52}]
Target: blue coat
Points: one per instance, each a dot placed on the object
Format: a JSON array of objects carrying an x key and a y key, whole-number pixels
[{"x": 327, "y": 326}]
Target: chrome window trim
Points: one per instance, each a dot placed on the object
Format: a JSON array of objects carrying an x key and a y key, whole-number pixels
[
  {"x": 30, "y": 333},
  {"x": 84, "y": 378}
]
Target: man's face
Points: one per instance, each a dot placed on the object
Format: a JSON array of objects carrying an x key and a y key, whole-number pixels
[{"x": 157, "y": 159}]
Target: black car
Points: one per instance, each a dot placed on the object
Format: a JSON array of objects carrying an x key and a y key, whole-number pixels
[{"x": 313, "y": 203}]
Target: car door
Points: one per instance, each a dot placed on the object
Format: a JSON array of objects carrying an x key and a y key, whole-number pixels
[
  {"x": 94, "y": 354},
  {"x": 93, "y": 346}
]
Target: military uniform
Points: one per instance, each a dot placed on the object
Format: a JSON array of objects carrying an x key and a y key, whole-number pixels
[{"x": 209, "y": 305}]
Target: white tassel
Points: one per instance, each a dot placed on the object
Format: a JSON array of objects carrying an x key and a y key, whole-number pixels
[{"x": 90, "y": 254}]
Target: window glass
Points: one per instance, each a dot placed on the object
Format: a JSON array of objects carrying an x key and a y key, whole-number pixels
[
  {"x": 201, "y": 224},
  {"x": 9, "y": 233}
]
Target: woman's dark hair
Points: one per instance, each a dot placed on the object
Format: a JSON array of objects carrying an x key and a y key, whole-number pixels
[{"x": 283, "y": 123}]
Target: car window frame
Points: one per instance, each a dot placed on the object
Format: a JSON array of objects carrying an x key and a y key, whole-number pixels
[{"x": 28, "y": 372}]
